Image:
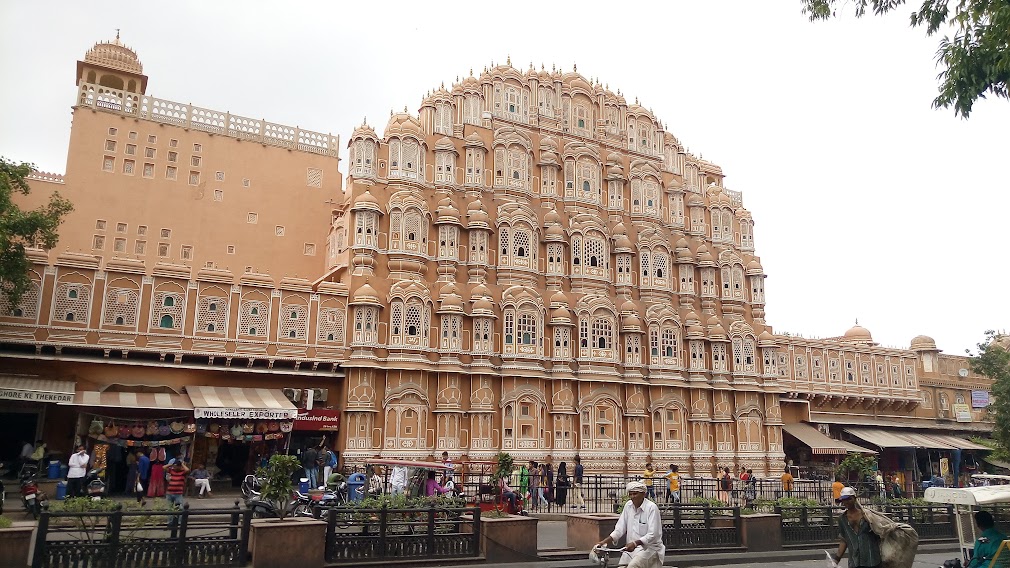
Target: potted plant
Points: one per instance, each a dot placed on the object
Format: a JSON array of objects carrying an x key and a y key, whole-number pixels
[
  {"x": 15, "y": 542},
  {"x": 304, "y": 538},
  {"x": 504, "y": 537}
]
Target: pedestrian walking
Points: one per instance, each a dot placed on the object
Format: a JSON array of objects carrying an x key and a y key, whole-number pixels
[
  {"x": 564, "y": 482},
  {"x": 725, "y": 485},
  {"x": 647, "y": 476},
  {"x": 549, "y": 476},
  {"x": 524, "y": 482},
  {"x": 787, "y": 482},
  {"x": 580, "y": 472},
  {"x": 175, "y": 487},
  {"x": 143, "y": 475},
  {"x": 310, "y": 463},
  {"x": 541, "y": 490},
  {"x": 749, "y": 489},
  {"x": 329, "y": 458},
  {"x": 673, "y": 491},
  {"x": 397, "y": 479}
]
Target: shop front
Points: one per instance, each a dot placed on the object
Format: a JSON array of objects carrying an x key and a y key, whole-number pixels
[
  {"x": 114, "y": 425},
  {"x": 911, "y": 458},
  {"x": 27, "y": 404},
  {"x": 313, "y": 428},
  {"x": 238, "y": 429},
  {"x": 814, "y": 454}
]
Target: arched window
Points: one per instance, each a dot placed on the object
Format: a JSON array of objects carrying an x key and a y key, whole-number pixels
[
  {"x": 167, "y": 322},
  {"x": 292, "y": 334},
  {"x": 72, "y": 294},
  {"x": 212, "y": 307},
  {"x": 119, "y": 320},
  {"x": 294, "y": 315},
  {"x": 254, "y": 311},
  {"x": 168, "y": 302},
  {"x": 210, "y": 327},
  {"x": 70, "y": 316},
  {"x": 252, "y": 331}
]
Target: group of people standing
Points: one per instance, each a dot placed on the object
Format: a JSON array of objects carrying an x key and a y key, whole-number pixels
[
  {"x": 539, "y": 485},
  {"x": 316, "y": 461}
]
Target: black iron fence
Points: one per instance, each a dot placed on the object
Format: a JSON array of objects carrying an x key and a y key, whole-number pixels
[
  {"x": 355, "y": 535},
  {"x": 819, "y": 525},
  {"x": 690, "y": 527},
  {"x": 148, "y": 539},
  {"x": 606, "y": 493}
]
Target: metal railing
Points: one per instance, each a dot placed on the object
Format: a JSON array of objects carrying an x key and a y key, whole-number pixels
[
  {"x": 149, "y": 539},
  {"x": 819, "y": 525},
  {"x": 356, "y": 535},
  {"x": 692, "y": 527}
]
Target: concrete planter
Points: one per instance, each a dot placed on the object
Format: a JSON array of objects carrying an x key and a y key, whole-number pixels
[
  {"x": 15, "y": 544},
  {"x": 292, "y": 542},
  {"x": 506, "y": 539},
  {"x": 761, "y": 532},
  {"x": 586, "y": 529}
]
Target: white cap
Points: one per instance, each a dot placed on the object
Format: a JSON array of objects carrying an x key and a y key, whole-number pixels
[{"x": 847, "y": 493}]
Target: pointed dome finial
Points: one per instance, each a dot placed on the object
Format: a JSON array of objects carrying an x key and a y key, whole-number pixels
[
  {"x": 117, "y": 34},
  {"x": 404, "y": 108},
  {"x": 508, "y": 60},
  {"x": 541, "y": 66},
  {"x": 443, "y": 85},
  {"x": 857, "y": 321},
  {"x": 471, "y": 71},
  {"x": 575, "y": 68}
]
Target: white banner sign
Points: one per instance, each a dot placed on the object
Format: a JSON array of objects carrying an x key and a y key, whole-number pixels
[
  {"x": 246, "y": 413},
  {"x": 36, "y": 396}
]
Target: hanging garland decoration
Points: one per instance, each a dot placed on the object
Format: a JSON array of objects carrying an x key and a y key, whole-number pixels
[
  {"x": 141, "y": 443},
  {"x": 241, "y": 432}
]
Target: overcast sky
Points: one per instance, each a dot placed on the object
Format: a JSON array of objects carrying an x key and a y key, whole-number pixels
[{"x": 867, "y": 202}]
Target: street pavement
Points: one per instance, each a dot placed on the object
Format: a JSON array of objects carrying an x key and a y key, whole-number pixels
[{"x": 738, "y": 560}]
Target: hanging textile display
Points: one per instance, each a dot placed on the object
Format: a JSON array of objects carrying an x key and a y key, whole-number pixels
[{"x": 141, "y": 434}]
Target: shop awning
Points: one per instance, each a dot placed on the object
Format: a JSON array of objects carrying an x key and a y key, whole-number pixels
[
  {"x": 241, "y": 403},
  {"x": 885, "y": 439},
  {"x": 853, "y": 448},
  {"x": 28, "y": 388},
  {"x": 959, "y": 443},
  {"x": 997, "y": 463},
  {"x": 811, "y": 437},
  {"x": 148, "y": 400}
]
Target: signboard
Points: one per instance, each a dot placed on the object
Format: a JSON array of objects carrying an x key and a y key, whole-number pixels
[
  {"x": 962, "y": 412},
  {"x": 246, "y": 413},
  {"x": 36, "y": 396},
  {"x": 979, "y": 399},
  {"x": 317, "y": 419},
  {"x": 944, "y": 467}
]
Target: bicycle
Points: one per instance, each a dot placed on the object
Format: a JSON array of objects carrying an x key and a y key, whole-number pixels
[{"x": 600, "y": 555}]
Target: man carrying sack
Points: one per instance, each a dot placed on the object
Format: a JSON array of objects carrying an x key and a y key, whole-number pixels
[{"x": 871, "y": 539}]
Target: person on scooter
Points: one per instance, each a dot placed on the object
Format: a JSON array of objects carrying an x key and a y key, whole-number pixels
[
  {"x": 641, "y": 523},
  {"x": 78, "y": 469}
]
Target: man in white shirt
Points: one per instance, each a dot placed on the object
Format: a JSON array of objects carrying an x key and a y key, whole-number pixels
[
  {"x": 641, "y": 523},
  {"x": 75, "y": 475},
  {"x": 398, "y": 479}
]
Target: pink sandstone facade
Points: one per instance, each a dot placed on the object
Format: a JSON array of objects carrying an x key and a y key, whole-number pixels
[{"x": 530, "y": 264}]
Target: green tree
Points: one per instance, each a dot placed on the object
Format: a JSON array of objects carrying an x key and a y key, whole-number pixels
[
  {"x": 974, "y": 62},
  {"x": 856, "y": 463},
  {"x": 20, "y": 229},
  {"x": 993, "y": 361},
  {"x": 277, "y": 486}
]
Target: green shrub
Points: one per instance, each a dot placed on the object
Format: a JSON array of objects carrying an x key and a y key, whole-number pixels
[
  {"x": 277, "y": 485},
  {"x": 706, "y": 501},
  {"x": 5, "y": 523}
]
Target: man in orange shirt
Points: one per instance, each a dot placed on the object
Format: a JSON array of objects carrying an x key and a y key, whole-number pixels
[
  {"x": 787, "y": 483},
  {"x": 836, "y": 489}
]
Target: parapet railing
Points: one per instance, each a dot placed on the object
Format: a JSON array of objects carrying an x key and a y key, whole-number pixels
[{"x": 216, "y": 122}]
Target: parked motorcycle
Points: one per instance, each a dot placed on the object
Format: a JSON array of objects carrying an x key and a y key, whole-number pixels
[
  {"x": 32, "y": 499},
  {"x": 264, "y": 509},
  {"x": 94, "y": 485},
  {"x": 251, "y": 486}
]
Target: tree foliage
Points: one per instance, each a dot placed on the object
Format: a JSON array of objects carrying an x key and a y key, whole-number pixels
[
  {"x": 993, "y": 361},
  {"x": 973, "y": 62},
  {"x": 20, "y": 229},
  {"x": 856, "y": 463}
]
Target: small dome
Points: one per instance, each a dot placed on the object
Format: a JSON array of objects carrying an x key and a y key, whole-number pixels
[
  {"x": 554, "y": 231},
  {"x": 923, "y": 343},
  {"x": 445, "y": 145},
  {"x": 559, "y": 299},
  {"x": 623, "y": 242},
  {"x": 620, "y": 229},
  {"x": 450, "y": 300},
  {"x": 362, "y": 131},
  {"x": 114, "y": 55},
  {"x": 366, "y": 201},
  {"x": 691, "y": 316},
  {"x": 476, "y": 215},
  {"x": 483, "y": 307},
  {"x": 858, "y": 333},
  {"x": 695, "y": 201},
  {"x": 365, "y": 295},
  {"x": 754, "y": 268},
  {"x": 479, "y": 291},
  {"x": 766, "y": 336},
  {"x": 629, "y": 306},
  {"x": 614, "y": 158},
  {"x": 561, "y": 314},
  {"x": 552, "y": 217},
  {"x": 447, "y": 211},
  {"x": 473, "y": 140},
  {"x": 403, "y": 123},
  {"x": 630, "y": 322}
]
